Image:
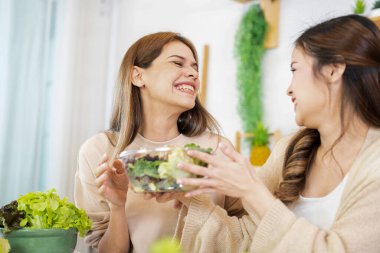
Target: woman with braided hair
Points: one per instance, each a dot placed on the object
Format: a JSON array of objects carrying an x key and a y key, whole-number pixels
[{"x": 320, "y": 189}]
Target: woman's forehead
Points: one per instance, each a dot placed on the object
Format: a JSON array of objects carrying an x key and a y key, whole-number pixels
[{"x": 177, "y": 48}]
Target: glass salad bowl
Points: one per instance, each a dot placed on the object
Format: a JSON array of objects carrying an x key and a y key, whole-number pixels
[{"x": 155, "y": 170}]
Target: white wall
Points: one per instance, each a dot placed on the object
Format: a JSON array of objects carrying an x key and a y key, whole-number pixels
[{"x": 214, "y": 22}]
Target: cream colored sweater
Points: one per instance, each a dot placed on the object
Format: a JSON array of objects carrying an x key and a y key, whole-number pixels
[
  {"x": 356, "y": 228},
  {"x": 147, "y": 220}
]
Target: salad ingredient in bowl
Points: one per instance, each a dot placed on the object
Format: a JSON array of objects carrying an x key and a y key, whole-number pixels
[{"x": 155, "y": 170}]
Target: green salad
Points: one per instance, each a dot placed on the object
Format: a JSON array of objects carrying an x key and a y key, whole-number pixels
[
  {"x": 156, "y": 170},
  {"x": 43, "y": 210}
]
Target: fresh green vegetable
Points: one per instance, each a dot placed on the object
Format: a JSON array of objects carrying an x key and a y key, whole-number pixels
[
  {"x": 145, "y": 167},
  {"x": 157, "y": 171},
  {"x": 43, "y": 210},
  {"x": 10, "y": 217},
  {"x": 197, "y": 147},
  {"x": 169, "y": 169},
  {"x": 48, "y": 210},
  {"x": 166, "y": 245},
  {"x": 4, "y": 246}
]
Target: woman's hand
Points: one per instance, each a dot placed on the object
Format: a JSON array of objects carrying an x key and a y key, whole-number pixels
[
  {"x": 112, "y": 181},
  {"x": 233, "y": 176}
]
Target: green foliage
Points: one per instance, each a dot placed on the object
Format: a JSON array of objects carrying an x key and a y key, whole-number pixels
[
  {"x": 249, "y": 50},
  {"x": 48, "y": 210},
  {"x": 166, "y": 245},
  {"x": 10, "y": 217},
  {"x": 260, "y": 135},
  {"x": 197, "y": 147},
  {"x": 145, "y": 167},
  {"x": 359, "y": 7},
  {"x": 376, "y": 5}
]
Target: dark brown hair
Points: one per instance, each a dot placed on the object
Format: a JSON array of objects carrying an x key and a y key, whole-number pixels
[
  {"x": 352, "y": 40},
  {"x": 127, "y": 111}
]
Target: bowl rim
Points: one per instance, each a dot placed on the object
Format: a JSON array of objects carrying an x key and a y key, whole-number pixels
[
  {"x": 129, "y": 152},
  {"x": 37, "y": 231}
]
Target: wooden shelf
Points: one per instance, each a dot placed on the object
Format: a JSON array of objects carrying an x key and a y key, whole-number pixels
[
  {"x": 271, "y": 9},
  {"x": 376, "y": 20}
]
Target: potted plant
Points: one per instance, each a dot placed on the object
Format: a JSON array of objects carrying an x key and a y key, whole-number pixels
[
  {"x": 375, "y": 10},
  {"x": 260, "y": 150},
  {"x": 42, "y": 222}
]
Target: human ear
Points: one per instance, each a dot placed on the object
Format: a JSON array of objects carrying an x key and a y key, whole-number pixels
[
  {"x": 136, "y": 77},
  {"x": 334, "y": 72}
]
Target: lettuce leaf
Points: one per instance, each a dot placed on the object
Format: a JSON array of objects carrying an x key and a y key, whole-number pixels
[
  {"x": 48, "y": 210},
  {"x": 5, "y": 247},
  {"x": 10, "y": 217}
]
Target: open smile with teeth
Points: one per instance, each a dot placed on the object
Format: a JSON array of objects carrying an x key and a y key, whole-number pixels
[{"x": 186, "y": 88}]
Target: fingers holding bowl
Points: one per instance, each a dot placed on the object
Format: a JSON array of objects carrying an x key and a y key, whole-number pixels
[{"x": 195, "y": 169}]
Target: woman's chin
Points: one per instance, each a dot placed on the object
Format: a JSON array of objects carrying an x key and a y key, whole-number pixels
[{"x": 187, "y": 105}]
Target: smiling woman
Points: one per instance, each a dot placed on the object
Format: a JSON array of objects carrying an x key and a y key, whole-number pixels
[
  {"x": 319, "y": 191},
  {"x": 155, "y": 105}
]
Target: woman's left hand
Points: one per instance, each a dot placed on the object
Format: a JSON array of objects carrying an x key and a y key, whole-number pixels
[{"x": 234, "y": 176}]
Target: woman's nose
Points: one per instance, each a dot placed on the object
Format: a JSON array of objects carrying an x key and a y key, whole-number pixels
[
  {"x": 191, "y": 72},
  {"x": 289, "y": 91}
]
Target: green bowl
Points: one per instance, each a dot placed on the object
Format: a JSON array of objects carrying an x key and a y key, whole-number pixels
[{"x": 41, "y": 240}]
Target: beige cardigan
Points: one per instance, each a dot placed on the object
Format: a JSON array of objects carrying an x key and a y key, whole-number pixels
[
  {"x": 207, "y": 228},
  {"x": 147, "y": 220}
]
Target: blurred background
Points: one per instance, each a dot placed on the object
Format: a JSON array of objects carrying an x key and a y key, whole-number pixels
[{"x": 59, "y": 60}]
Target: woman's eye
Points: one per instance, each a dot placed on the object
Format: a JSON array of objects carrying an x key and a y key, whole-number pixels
[
  {"x": 292, "y": 69},
  {"x": 178, "y": 63}
]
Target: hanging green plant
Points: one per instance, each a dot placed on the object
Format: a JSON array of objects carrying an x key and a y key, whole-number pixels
[{"x": 249, "y": 51}]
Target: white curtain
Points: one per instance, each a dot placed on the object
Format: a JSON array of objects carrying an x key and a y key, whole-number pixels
[
  {"x": 83, "y": 83},
  {"x": 57, "y": 73},
  {"x": 27, "y": 40},
  {"x": 56, "y": 80}
]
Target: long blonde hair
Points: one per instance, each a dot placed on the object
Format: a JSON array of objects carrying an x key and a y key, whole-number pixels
[{"x": 127, "y": 113}]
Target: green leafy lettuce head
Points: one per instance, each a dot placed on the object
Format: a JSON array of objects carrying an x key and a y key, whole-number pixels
[
  {"x": 48, "y": 210},
  {"x": 169, "y": 168}
]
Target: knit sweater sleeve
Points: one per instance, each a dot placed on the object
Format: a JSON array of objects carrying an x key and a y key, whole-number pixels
[
  {"x": 86, "y": 194},
  {"x": 355, "y": 229},
  {"x": 208, "y": 228}
]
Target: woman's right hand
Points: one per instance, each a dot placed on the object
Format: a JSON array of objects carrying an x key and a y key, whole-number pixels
[{"x": 112, "y": 181}]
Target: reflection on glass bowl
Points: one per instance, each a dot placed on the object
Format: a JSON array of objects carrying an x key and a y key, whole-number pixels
[{"x": 155, "y": 170}]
